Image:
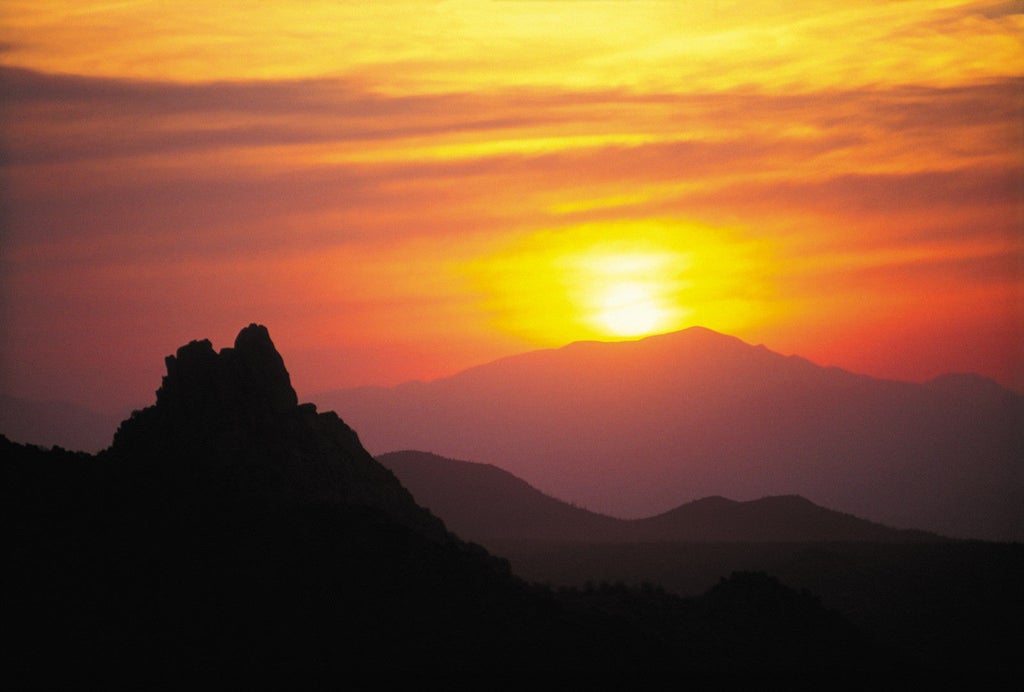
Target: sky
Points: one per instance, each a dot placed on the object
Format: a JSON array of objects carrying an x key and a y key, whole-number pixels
[{"x": 400, "y": 190}]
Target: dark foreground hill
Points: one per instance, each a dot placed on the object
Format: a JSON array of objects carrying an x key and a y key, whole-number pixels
[
  {"x": 483, "y": 503},
  {"x": 945, "y": 602},
  {"x": 231, "y": 535},
  {"x": 952, "y": 606},
  {"x": 631, "y": 429}
]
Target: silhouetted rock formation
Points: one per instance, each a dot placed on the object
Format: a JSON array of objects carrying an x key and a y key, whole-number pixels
[
  {"x": 232, "y": 536},
  {"x": 248, "y": 380},
  {"x": 227, "y": 429}
]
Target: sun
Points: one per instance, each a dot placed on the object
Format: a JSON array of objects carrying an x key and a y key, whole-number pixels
[
  {"x": 629, "y": 291},
  {"x": 622, "y": 280},
  {"x": 630, "y": 309}
]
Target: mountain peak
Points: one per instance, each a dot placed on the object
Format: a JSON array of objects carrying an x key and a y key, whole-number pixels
[
  {"x": 251, "y": 377},
  {"x": 262, "y": 367}
]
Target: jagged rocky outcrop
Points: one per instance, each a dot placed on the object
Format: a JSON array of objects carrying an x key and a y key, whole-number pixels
[{"x": 227, "y": 428}]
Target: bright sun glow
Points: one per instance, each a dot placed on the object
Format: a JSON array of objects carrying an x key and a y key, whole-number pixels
[
  {"x": 630, "y": 309},
  {"x": 621, "y": 281},
  {"x": 624, "y": 290}
]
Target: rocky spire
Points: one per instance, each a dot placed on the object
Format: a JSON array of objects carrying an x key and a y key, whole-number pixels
[
  {"x": 227, "y": 430},
  {"x": 259, "y": 368},
  {"x": 249, "y": 380}
]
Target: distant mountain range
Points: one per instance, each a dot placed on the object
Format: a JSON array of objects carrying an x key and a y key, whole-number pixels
[
  {"x": 632, "y": 429},
  {"x": 485, "y": 504}
]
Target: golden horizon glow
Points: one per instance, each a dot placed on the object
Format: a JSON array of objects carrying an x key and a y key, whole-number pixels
[{"x": 411, "y": 188}]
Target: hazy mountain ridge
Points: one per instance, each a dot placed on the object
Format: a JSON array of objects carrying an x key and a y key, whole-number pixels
[
  {"x": 632, "y": 429},
  {"x": 483, "y": 503},
  {"x": 232, "y": 534}
]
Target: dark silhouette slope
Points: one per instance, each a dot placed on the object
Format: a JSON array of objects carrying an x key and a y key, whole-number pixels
[
  {"x": 952, "y": 605},
  {"x": 947, "y": 602},
  {"x": 631, "y": 429},
  {"x": 233, "y": 536},
  {"x": 482, "y": 503}
]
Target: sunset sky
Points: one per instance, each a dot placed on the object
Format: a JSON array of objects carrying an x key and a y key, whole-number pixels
[{"x": 400, "y": 190}]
